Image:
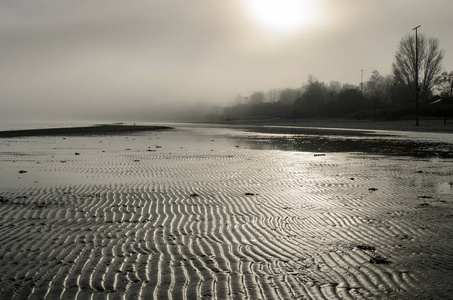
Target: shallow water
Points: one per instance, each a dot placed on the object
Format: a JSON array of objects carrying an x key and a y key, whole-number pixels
[{"x": 221, "y": 212}]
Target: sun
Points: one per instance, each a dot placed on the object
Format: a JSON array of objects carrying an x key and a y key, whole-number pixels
[{"x": 284, "y": 14}]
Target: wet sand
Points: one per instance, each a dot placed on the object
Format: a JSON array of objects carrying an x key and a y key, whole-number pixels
[
  {"x": 201, "y": 214},
  {"x": 425, "y": 125}
]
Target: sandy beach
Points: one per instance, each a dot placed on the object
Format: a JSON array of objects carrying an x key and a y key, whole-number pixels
[{"x": 218, "y": 212}]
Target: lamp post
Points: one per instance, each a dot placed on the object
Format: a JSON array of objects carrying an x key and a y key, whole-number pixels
[
  {"x": 416, "y": 76},
  {"x": 361, "y": 82},
  {"x": 362, "y": 104}
]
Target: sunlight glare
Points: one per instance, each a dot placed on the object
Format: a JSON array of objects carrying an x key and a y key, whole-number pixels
[{"x": 284, "y": 14}]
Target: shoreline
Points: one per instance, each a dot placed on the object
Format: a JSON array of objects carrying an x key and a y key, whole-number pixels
[
  {"x": 308, "y": 126},
  {"x": 77, "y": 131},
  {"x": 431, "y": 125}
]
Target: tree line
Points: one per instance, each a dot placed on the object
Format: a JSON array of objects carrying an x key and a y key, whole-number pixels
[{"x": 380, "y": 97}]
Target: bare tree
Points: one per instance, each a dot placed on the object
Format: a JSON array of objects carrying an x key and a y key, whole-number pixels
[
  {"x": 446, "y": 85},
  {"x": 257, "y": 97},
  {"x": 429, "y": 63},
  {"x": 238, "y": 99},
  {"x": 378, "y": 88},
  {"x": 272, "y": 95},
  {"x": 288, "y": 95}
]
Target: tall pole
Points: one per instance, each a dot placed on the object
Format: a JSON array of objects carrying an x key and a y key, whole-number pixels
[
  {"x": 416, "y": 76},
  {"x": 362, "y": 105},
  {"x": 361, "y": 82}
]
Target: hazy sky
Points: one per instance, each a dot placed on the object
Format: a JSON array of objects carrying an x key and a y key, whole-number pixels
[{"x": 64, "y": 58}]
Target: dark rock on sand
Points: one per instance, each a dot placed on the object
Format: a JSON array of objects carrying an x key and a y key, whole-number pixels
[
  {"x": 366, "y": 248},
  {"x": 379, "y": 260}
]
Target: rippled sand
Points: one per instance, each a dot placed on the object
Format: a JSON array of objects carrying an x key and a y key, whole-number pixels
[{"x": 204, "y": 213}]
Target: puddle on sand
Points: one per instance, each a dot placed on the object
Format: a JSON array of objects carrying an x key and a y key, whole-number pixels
[{"x": 445, "y": 188}]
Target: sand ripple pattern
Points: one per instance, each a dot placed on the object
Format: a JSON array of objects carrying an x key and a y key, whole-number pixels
[{"x": 208, "y": 222}]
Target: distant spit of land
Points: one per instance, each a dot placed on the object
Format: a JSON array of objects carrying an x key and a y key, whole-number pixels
[{"x": 74, "y": 131}]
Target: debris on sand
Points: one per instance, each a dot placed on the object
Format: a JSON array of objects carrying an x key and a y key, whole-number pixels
[
  {"x": 379, "y": 260},
  {"x": 375, "y": 258},
  {"x": 372, "y": 189},
  {"x": 250, "y": 194},
  {"x": 77, "y": 153},
  {"x": 366, "y": 248},
  {"x": 22, "y": 171},
  {"x": 194, "y": 195}
]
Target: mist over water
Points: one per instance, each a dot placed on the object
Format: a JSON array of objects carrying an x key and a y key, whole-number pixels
[{"x": 167, "y": 60}]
